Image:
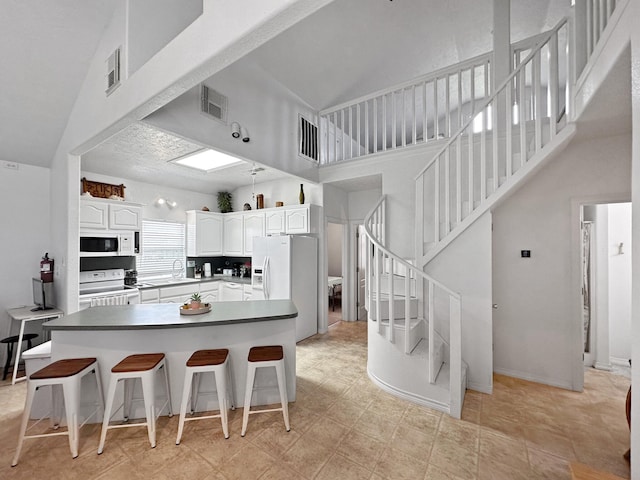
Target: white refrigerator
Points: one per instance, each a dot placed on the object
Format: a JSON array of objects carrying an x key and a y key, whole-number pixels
[{"x": 286, "y": 266}]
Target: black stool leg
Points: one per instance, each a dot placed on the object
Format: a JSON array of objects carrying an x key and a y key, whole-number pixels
[{"x": 8, "y": 362}]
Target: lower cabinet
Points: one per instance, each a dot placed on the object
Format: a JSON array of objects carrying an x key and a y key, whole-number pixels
[
  {"x": 209, "y": 292},
  {"x": 230, "y": 292}
]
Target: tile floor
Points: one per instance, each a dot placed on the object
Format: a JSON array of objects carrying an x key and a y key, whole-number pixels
[{"x": 344, "y": 427}]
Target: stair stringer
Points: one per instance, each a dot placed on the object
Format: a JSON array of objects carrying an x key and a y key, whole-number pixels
[{"x": 539, "y": 160}]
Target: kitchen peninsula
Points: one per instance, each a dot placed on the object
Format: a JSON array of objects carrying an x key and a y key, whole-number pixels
[{"x": 110, "y": 333}]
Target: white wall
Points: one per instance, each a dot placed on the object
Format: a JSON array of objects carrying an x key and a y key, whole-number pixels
[
  {"x": 24, "y": 238},
  {"x": 465, "y": 267},
  {"x": 620, "y": 282},
  {"x": 151, "y": 24},
  {"x": 258, "y": 103},
  {"x": 286, "y": 190},
  {"x": 147, "y": 194},
  {"x": 536, "y": 327},
  {"x": 334, "y": 249}
]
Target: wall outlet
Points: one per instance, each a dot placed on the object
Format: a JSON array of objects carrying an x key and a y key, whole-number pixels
[{"x": 10, "y": 165}]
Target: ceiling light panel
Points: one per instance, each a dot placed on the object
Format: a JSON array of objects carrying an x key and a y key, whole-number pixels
[{"x": 207, "y": 160}]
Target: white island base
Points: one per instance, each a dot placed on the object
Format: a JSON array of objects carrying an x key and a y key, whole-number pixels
[{"x": 111, "y": 333}]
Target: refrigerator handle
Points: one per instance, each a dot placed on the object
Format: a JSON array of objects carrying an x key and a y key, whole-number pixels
[{"x": 265, "y": 278}]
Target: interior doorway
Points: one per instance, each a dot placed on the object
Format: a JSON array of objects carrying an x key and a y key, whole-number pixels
[
  {"x": 606, "y": 284},
  {"x": 335, "y": 253}
]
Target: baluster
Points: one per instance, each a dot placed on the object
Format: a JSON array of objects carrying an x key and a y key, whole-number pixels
[
  {"x": 377, "y": 279},
  {"x": 407, "y": 312},
  {"x": 335, "y": 136},
  {"x": 458, "y": 179},
  {"x": 358, "y": 143},
  {"x": 425, "y": 130},
  {"x": 509, "y": 129},
  {"x": 447, "y": 106},
  {"x": 459, "y": 100},
  {"x": 350, "y": 136},
  {"x": 483, "y": 155},
  {"x": 471, "y": 139},
  {"x": 366, "y": 128},
  {"x": 494, "y": 138},
  {"x": 554, "y": 81},
  {"x": 392, "y": 312},
  {"x": 394, "y": 125},
  {"x": 436, "y": 203},
  {"x": 436, "y": 124},
  {"x": 375, "y": 125},
  {"x": 414, "y": 133},
  {"x": 432, "y": 334},
  {"x": 403, "y": 112},
  {"x": 522, "y": 113},
  {"x": 537, "y": 92},
  {"x": 447, "y": 193},
  {"x": 384, "y": 122}
]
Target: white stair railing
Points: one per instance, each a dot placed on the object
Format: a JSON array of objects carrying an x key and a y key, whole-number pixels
[
  {"x": 427, "y": 108},
  {"x": 441, "y": 304},
  {"x": 495, "y": 142}
]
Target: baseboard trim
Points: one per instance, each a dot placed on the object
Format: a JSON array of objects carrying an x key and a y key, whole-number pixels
[
  {"x": 606, "y": 367},
  {"x": 533, "y": 378},
  {"x": 621, "y": 362},
  {"x": 480, "y": 387},
  {"x": 411, "y": 397}
]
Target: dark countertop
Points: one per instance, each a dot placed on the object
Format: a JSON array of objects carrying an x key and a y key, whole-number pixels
[
  {"x": 167, "y": 315},
  {"x": 145, "y": 285}
]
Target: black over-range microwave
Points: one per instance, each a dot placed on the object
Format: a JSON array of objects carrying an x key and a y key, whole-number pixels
[{"x": 109, "y": 244}]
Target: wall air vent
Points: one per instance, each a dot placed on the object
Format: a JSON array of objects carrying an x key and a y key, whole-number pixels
[
  {"x": 212, "y": 103},
  {"x": 113, "y": 71},
  {"x": 307, "y": 139}
]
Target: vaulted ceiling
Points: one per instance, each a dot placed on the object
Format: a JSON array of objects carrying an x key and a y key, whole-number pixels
[{"x": 345, "y": 50}]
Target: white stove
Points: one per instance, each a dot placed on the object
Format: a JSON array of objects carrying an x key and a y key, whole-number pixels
[{"x": 105, "y": 287}]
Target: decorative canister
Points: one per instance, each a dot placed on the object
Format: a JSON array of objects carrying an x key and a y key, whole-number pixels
[
  {"x": 259, "y": 201},
  {"x": 279, "y": 204}
]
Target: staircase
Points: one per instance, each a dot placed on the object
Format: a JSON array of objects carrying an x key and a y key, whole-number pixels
[{"x": 491, "y": 141}]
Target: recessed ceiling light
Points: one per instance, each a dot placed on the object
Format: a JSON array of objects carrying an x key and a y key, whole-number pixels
[{"x": 207, "y": 160}]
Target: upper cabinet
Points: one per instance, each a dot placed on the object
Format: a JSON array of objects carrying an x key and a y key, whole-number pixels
[
  {"x": 105, "y": 215},
  {"x": 252, "y": 226},
  {"x": 204, "y": 233},
  {"x": 232, "y": 234}
]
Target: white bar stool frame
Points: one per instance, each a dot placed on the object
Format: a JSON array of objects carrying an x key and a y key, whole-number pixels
[
  {"x": 224, "y": 387},
  {"x": 69, "y": 385},
  {"x": 147, "y": 378},
  {"x": 263, "y": 357}
]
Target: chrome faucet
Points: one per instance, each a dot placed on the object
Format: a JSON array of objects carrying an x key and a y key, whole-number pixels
[{"x": 177, "y": 273}]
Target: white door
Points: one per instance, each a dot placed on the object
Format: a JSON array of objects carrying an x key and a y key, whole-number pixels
[
  {"x": 588, "y": 310},
  {"x": 361, "y": 262}
]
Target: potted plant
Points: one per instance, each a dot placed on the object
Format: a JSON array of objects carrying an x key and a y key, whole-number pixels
[
  {"x": 224, "y": 202},
  {"x": 196, "y": 301}
]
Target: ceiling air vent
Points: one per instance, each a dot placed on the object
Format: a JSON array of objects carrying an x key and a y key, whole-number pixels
[
  {"x": 113, "y": 71},
  {"x": 213, "y": 103},
  {"x": 308, "y": 139}
]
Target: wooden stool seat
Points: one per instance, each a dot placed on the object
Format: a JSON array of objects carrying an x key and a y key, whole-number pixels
[
  {"x": 203, "y": 358},
  {"x": 266, "y": 354},
  {"x": 207, "y": 361},
  {"x": 264, "y": 357},
  {"x": 65, "y": 378},
  {"x": 63, "y": 368},
  {"x": 138, "y": 363}
]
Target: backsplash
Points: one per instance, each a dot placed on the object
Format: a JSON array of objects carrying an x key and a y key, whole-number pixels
[{"x": 217, "y": 264}]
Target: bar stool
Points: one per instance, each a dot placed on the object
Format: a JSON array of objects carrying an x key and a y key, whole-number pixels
[
  {"x": 143, "y": 366},
  {"x": 11, "y": 341},
  {"x": 262, "y": 357},
  {"x": 203, "y": 361},
  {"x": 65, "y": 375}
]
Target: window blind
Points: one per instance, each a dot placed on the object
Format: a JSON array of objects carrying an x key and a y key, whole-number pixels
[{"x": 162, "y": 244}]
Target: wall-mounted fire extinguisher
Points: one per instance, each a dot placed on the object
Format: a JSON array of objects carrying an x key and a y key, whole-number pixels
[{"x": 46, "y": 268}]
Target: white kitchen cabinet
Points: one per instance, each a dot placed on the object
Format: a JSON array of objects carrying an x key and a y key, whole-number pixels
[
  {"x": 297, "y": 220},
  {"x": 274, "y": 222},
  {"x": 94, "y": 214},
  {"x": 233, "y": 236},
  {"x": 151, "y": 295},
  {"x": 125, "y": 217},
  {"x": 247, "y": 293},
  {"x": 105, "y": 215},
  {"x": 209, "y": 292},
  {"x": 230, "y": 292},
  {"x": 204, "y": 233},
  {"x": 252, "y": 226},
  {"x": 179, "y": 293}
]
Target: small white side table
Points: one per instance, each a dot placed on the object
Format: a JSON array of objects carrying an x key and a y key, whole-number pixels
[{"x": 24, "y": 315}]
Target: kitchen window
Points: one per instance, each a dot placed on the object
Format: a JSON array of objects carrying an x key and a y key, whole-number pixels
[{"x": 162, "y": 244}]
